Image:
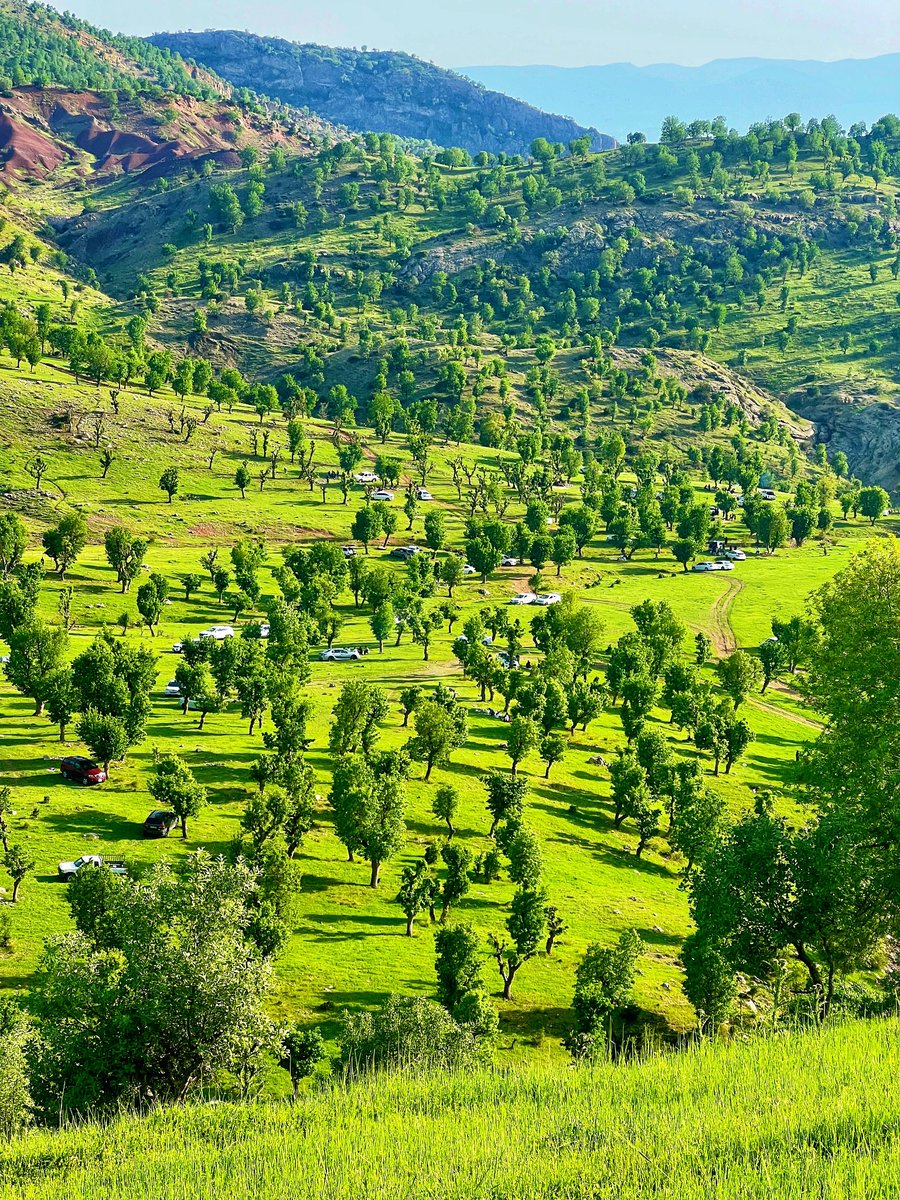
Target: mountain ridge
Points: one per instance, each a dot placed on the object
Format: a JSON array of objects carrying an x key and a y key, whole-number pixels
[
  {"x": 639, "y": 98},
  {"x": 378, "y": 91}
]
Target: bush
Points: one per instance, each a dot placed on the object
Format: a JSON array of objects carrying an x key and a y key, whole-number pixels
[
  {"x": 15, "y": 1092},
  {"x": 406, "y": 1031}
]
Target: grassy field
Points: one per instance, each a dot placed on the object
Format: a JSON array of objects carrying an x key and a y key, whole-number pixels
[
  {"x": 348, "y": 949},
  {"x": 791, "y": 1116}
]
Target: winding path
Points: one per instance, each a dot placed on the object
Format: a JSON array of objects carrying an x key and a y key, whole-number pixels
[{"x": 722, "y": 632}]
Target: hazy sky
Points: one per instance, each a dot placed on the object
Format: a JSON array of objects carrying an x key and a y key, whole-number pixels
[{"x": 561, "y": 32}]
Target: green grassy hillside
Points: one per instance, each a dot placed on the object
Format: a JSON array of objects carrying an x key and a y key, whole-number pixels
[{"x": 795, "y": 1115}]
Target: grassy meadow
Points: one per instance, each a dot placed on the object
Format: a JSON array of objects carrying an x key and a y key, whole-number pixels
[
  {"x": 792, "y": 1116},
  {"x": 348, "y": 949}
]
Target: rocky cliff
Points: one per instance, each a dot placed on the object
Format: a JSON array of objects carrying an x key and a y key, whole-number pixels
[{"x": 379, "y": 91}]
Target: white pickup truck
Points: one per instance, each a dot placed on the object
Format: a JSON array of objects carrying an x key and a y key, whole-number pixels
[{"x": 68, "y": 870}]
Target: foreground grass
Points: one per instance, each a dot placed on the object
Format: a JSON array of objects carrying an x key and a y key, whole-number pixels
[{"x": 795, "y": 1115}]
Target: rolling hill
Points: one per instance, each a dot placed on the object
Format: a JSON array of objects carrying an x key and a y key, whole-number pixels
[{"x": 378, "y": 91}]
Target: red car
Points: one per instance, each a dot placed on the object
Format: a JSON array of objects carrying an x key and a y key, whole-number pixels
[{"x": 82, "y": 770}]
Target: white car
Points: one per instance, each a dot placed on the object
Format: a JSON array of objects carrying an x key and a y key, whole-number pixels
[
  {"x": 524, "y": 598},
  {"x": 264, "y": 629},
  {"x": 548, "y": 598},
  {"x": 423, "y": 494},
  {"x": 177, "y": 647},
  {"x": 468, "y": 569},
  {"x": 736, "y": 555},
  {"x": 349, "y": 551},
  {"x": 173, "y": 688},
  {"x": 382, "y": 494},
  {"x": 366, "y": 477},
  {"x": 508, "y": 561},
  {"x": 723, "y": 564},
  {"x": 217, "y": 633},
  {"x": 339, "y": 654},
  {"x": 703, "y": 566}
]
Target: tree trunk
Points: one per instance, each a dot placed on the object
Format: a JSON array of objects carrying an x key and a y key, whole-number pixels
[
  {"x": 428, "y": 770},
  {"x": 184, "y": 828},
  {"x": 376, "y": 868},
  {"x": 410, "y": 917},
  {"x": 15, "y": 891},
  {"x": 547, "y": 772},
  {"x": 62, "y": 731}
]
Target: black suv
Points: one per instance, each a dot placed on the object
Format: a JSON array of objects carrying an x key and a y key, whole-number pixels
[{"x": 160, "y": 823}]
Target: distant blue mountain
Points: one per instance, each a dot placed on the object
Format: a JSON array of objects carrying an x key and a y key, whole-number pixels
[{"x": 621, "y": 98}]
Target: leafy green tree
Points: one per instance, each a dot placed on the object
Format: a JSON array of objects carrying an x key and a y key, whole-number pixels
[
  {"x": 188, "y": 991},
  {"x": 451, "y": 573},
  {"x": 169, "y": 482},
  {"x": 522, "y": 737},
  {"x": 173, "y": 786},
  {"x": 526, "y": 864},
  {"x": 526, "y": 925},
  {"x": 65, "y": 541},
  {"x": 125, "y": 554},
  {"x": 604, "y": 981},
  {"x": 416, "y": 884},
  {"x": 151, "y": 600},
  {"x": 458, "y": 962},
  {"x": 105, "y": 736},
  {"x": 13, "y": 542},
  {"x": 302, "y": 1049},
  {"x": 17, "y": 865},
  {"x": 552, "y": 749},
  {"x": 505, "y": 797},
  {"x": 361, "y": 707},
  {"x": 458, "y": 863},
  {"x": 61, "y": 699},
  {"x": 382, "y": 623},
  {"x": 437, "y": 734},
  {"x": 369, "y": 800},
  {"x": 709, "y": 983},
  {"x": 873, "y": 501},
  {"x": 740, "y": 674},
  {"x": 36, "y": 652},
  {"x": 444, "y": 805}
]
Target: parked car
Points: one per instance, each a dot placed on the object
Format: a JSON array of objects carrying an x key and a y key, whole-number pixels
[
  {"x": 736, "y": 555},
  {"x": 366, "y": 477},
  {"x": 505, "y": 661},
  {"x": 383, "y": 494},
  {"x": 217, "y": 633},
  {"x": 404, "y": 552},
  {"x": 173, "y": 688},
  {"x": 160, "y": 823},
  {"x": 4, "y": 659},
  {"x": 77, "y": 769},
  {"x": 349, "y": 551},
  {"x": 422, "y": 493},
  {"x": 524, "y": 598},
  {"x": 547, "y": 598},
  {"x": 508, "y": 561},
  {"x": 723, "y": 564},
  {"x": 339, "y": 654},
  {"x": 468, "y": 569},
  {"x": 68, "y": 870},
  {"x": 766, "y": 493},
  {"x": 177, "y": 647},
  {"x": 264, "y": 629},
  {"x": 701, "y": 567}
]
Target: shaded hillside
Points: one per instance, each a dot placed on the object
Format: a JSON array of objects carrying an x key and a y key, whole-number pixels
[
  {"x": 376, "y": 90},
  {"x": 743, "y": 90}
]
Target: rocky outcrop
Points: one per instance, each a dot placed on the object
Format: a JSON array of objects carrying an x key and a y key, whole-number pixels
[
  {"x": 382, "y": 91},
  {"x": 865, "y": 425}
]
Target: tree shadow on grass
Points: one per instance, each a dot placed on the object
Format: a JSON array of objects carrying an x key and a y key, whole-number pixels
[{"x": 93, "y": 820}]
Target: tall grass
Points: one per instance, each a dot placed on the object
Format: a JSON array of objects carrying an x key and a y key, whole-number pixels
[{"x": 810, "y": 1114}]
